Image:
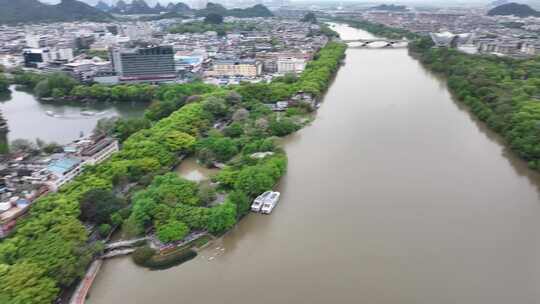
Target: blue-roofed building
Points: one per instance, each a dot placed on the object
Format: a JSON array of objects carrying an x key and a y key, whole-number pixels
[
  {"x": 63, "y": 165},
  {"x": 189, "y": 63},
  {"x": 63, "y": 170},
  {"x": 22, "y": 203}
]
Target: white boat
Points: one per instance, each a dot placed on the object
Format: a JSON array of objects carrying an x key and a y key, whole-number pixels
[
  {"x": 88, "y": 113},
  {"x": 50, "y": 113},
  {"x": 259, "y": 201},
  {"x": 270, "y": 202}
]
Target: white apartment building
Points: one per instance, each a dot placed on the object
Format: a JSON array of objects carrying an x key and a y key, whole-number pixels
[
  {"x": 290, "y": 65},
  {"x": 245, "y": 68}
]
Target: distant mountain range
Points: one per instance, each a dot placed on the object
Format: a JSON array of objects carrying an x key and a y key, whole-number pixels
[
  {"x": 140, "y": 7},
  {"x": 390, "y": 8},
  {"x": 34, "y": 11},
  {"x": 136, "y": 7},
  {"x": 516, "y": 9},
  {"x": 258, "y": 10}
]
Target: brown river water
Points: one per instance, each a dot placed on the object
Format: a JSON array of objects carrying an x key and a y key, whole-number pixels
[{"x": 394, "y": 195}]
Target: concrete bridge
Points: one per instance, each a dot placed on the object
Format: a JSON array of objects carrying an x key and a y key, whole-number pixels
[
  {"x": 386, "y": 43},
  {"x": 126, "y": 243},
  {"x": 115, "y": 253}
]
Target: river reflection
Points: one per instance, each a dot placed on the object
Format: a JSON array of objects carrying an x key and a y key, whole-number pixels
[
  {"x": 394, "y": 195},
  {"x": 60, "y": 122}
]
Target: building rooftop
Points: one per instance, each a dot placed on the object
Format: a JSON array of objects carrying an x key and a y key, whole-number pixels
[{"x": 63, "y": 165}]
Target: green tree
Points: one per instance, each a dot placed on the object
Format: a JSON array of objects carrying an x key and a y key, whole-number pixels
[
  {"x": 104, "y": 229},
  {"x": 4, "y": 84},
  {"x": 234, "y": 130},
  {"x": 216, "y": 106},
  {"x": 222, "y": 148},
  {"x": 207, "y": 193},
  {"x": 97, "y": 206},
  {"x": 254, "y": 180},
  {"x": 282, "y": 127},
  {"x": 26, "y": 283},
  {"x": 241, "y": 201},
  {"x": 213, "y": 18},
  {"x": 125, "y": 127},
  {"x": 172, "y": 190},
  {"x": 105, "y": 126},
  {"x": 309, "y": 17},
  {"x": 221, "y": 218},
  {"x": 172, "y": 231}
]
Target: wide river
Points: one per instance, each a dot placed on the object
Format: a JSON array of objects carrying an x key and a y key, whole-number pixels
[
  {"x": 59, "y": 122},
  {"x": 394, "y": 195}
]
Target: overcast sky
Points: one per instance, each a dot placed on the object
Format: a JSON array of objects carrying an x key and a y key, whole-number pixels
[
  {"x": 410, "y": 2},
  {"x": 372, "y": 1}
]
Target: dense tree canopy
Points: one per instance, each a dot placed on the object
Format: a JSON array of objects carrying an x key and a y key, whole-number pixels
[
  {"x": 97, "y": 206},
  {"x": 213, "y": 18},
  {"x": 4, "y": 84},
  {"x": 309, "y": 17},
  {"x": 172, "y": 231}
]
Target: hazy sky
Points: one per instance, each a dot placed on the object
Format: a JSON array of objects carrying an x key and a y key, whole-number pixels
[
  {"x": 372, "y": 1},
  {"x": 410, "y": 2}
]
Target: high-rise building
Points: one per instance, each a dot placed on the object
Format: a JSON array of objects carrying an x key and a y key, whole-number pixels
[
  {"x": 151, "y": 64},
  {"x": 64, "y": 54},
  {"x": 36, "y": 58}
]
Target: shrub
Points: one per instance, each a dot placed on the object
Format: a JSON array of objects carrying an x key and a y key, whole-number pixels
[
  {"x": 175, "y": 258},
  {"x": 104, "y": 230},
  {"x": 142, "y": 255},
  {"x": 172, "y": 231}
]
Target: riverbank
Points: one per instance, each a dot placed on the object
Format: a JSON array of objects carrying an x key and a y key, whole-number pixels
[
  {"x": 170, "y": 205},
  {"x": 62, "y": 87},
  {"x": 502, "y": 92}
]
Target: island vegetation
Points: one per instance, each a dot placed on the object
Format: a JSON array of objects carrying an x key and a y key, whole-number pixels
[{"x": 51, "y": 248}]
